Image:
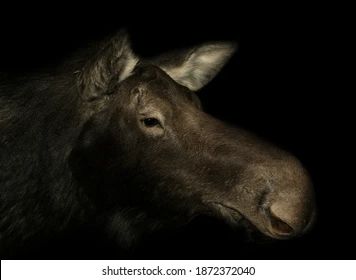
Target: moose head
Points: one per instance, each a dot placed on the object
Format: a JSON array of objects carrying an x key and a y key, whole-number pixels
[{"x": 151, "y": 157}]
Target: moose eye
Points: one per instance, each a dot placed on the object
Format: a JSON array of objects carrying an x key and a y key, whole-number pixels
[{"x": 151, "y": 122}]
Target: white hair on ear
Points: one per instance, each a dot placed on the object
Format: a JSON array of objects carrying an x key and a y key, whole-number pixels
[
  {"x": 123, "y": 55},
  {"x": 130, "y": 62},
  {"x": 200, "y": 64}
]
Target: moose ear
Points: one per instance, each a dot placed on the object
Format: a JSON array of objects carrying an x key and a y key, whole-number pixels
[
  {"x": 195, "y": 67},
  {"x": 114, "y": 59}
]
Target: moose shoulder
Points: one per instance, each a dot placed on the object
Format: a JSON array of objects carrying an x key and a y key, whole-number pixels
[{"x": 120, "y": 140}]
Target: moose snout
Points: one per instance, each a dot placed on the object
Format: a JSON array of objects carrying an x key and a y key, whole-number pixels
[
  {"x": 282, "y": 197},
  {"x": 291, "y": 208}
]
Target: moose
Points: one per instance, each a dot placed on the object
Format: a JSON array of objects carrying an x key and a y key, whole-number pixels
[{"x": 113, "y": 138}]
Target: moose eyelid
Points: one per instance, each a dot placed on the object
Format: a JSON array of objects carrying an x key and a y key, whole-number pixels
[{"x": 152, "y": 115}]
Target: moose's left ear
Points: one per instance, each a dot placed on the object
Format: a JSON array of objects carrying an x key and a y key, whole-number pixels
[
  {"x": 195, "y": 67},
  {"x": 114, "y": 59}
]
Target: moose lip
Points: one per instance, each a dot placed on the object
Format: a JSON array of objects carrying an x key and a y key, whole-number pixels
[
  {"x": 230, "y": 214},
  {"x": 234, "y": 218}
]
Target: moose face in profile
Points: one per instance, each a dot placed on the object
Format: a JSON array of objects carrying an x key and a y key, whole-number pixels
[
  {"x": 159, "y": 159},
  {"x": 121, "y": 141}
]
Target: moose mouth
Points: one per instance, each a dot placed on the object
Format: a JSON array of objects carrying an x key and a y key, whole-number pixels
[{"x": 268, "y": 224}]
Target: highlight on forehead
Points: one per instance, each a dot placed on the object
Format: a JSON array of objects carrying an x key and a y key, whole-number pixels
[{"x": 171, "y": 94}]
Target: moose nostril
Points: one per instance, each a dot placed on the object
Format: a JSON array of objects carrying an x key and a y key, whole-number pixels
[
  {"x": 280, "y": 227},
  {"x": 287, "y": 219},
  {"x": 283, "y": 218}
]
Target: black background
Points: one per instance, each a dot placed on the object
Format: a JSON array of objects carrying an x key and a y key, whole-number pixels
[{"x": 281, "y": 84}]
